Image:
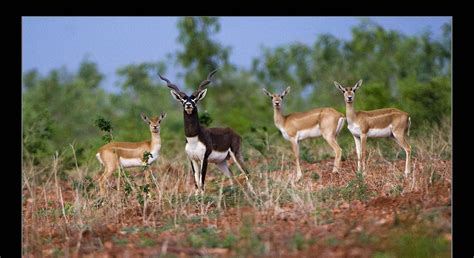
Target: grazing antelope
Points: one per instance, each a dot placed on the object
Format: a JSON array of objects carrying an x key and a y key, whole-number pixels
[
  {"x": 203, "y": 145},
  {"x": 130, "y": 154},
  {"x": 386, "y": 122},
  {"x": 326, "y": 122}
]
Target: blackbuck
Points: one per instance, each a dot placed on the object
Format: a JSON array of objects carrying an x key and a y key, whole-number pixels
[
  {"x": 386, "y": 122},
  {"x": 325, "y": 122},
  {"x": 130, "y": 154},
  {"x": 204, "y": 145}
]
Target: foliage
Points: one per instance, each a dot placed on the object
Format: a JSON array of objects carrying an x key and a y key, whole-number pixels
[
  {"x": 85, "y": 185},
  {"x": 146, "y": 156},
  {"x": 412, "y": 73},
  {"x": 207, "y": 237},
  {"x": 201, "y": 54},
  {"x": 105, "y": 126},
  {"x": 417, "y": 245},
  {"x": 205, "y": 118},
  {"x": 356, "y": 189}
]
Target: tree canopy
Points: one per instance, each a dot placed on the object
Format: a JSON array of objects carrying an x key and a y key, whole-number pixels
[{"x": 412, "y": 73}]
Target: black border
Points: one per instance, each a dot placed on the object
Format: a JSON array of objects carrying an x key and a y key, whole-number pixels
[
  {"x": 462, "y": 126},
  {"x": 462, "y": 228}
]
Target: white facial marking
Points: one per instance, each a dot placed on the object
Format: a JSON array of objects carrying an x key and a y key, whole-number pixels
[{"x": 311, "y": 132}]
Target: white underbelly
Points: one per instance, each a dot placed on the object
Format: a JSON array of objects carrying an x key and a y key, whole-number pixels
[
  {"x": 137, "y": 162},
  {"x": 308, "y": 133},
  {"x": 380, "y": 132},
  {"x": 196, "y": 151},
  {"x": 130, "y": 162},
  {"x": 194, "y": 148},
  {"x": 218, "y": 156},
  {"x": 372, "y": 133}
]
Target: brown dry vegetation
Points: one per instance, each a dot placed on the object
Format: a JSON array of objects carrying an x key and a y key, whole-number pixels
[{"x": 326, "y": 214}]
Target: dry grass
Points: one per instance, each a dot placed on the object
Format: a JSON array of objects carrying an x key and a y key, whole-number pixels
[{"x": 342, "y": 214}]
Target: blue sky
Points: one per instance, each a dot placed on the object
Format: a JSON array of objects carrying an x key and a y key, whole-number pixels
[{"x": 113, "y": 42}]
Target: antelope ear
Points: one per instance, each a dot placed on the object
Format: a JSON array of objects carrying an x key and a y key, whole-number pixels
[
  {"x": 176, "y": 96},
  {"x": 339, "y": 87},
  {"x": 286, "y": 91},
  {"x": 267, "y": 92},
  {"x": 145, "y": 118},
  {"x": 163, "y": 115},
  {"x": 357, "y": 85},
  {"x": 201, "y": 95}
]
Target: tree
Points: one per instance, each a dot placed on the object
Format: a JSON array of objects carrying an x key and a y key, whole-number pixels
[
  {"x": 89, "y": 74},
  {"x": 384, "y": 59},
  {"x": 201, "y": 54},
  {"x": 57, "y": 112}
]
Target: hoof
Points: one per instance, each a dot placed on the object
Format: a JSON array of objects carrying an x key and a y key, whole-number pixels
[
  {"x": 199, "y": 192},
  {"x": 298, "y": 177},
  {"x": 102, "y": 192}
]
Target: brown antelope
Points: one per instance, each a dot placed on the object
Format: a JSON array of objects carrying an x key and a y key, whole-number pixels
[
  {"x": 130, "y": 154},
  {"x": 326, "y": 122},
  {"x": 203, "y": 145},
  {"x": 386, "y": 122}
]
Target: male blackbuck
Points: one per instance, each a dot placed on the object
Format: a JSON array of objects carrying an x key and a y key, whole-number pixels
[
  {"x": 130, "y": 154},
  {"x": 203, "y": 145},
  {"x": 386, "y": 122},
  {"x": 325, "y": 122}
]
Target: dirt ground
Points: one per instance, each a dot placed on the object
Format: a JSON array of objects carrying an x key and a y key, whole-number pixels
[{"x": 375, "y": 217}]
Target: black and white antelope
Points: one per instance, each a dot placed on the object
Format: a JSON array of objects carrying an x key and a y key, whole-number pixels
[
  {"x": 385, "y": 122},
  {"x": 204, "y": 145}
]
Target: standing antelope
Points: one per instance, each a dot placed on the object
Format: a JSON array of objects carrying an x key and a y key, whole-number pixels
[
  {"x": 386, "y": 122},
  {"x": 204, "y": 145},
  {"x": 130, "y": 154},
  {"x": 326, "y": 122}
]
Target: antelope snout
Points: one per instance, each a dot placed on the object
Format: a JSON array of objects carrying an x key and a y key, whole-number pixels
[{"x": 188, "y": 107}]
